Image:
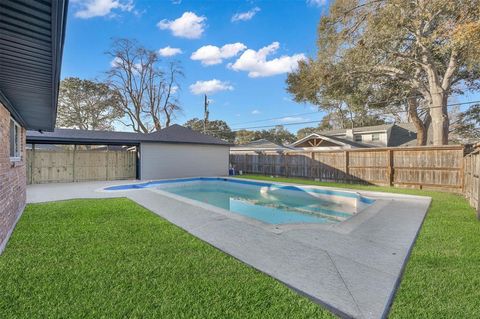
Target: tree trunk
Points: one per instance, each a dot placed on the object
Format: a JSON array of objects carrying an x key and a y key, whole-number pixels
[
  {"x": 419, "y": 125},
  {"x": 168, "y": 119},
  {"x": 439, "y": 114}
]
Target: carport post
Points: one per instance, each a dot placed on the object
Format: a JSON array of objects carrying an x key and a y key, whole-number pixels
[
  {"x": 106, "y": 166},
  {"x": 32, "y": 163},
  {"x": 73, "y": 162},
  {"x": 137, "y": 164}
]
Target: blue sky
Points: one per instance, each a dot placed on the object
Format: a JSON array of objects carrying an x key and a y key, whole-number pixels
[
  {"x": 291, "y": 24},
  {"x": 264, "y": 39}
]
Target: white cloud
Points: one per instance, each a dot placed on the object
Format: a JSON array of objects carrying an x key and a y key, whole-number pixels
[
  {"x": 291, "y": 119},
  {"x": 257, "y": 65},
  {"x": 169, "y": 51},
  {"x": 210, "y": 54},
  {"x": 100, "y": 8},
  {"x": 245, "y": 16},
  {"x": 209, "y": 87},
  {"x": 189, "y": 25},
  {"x": 115, "y": 62},
  {"x": 316, "y": 3},
  {"x": 255, "y": 112}
]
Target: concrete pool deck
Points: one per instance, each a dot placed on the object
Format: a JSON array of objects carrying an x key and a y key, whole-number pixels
[{"x": 352, "y": 268}]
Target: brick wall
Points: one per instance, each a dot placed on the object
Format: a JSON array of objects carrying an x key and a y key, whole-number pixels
[{"x": 12, "y": 180}]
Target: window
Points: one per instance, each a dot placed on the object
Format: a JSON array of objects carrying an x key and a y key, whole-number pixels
[
  {"x": 357, "y": 138},
  {"x": 376, "y": 137},
  {"x": 15, "y": 143}
]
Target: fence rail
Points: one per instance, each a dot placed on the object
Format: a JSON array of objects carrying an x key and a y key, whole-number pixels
[
  {"x": 57, "y": 166},
  {"x": 421, "y": 167}
]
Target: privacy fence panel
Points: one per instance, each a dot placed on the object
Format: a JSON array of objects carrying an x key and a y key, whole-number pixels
[
  {"x": 430, "y": 167},
  {"x": 57, "y": 166}
]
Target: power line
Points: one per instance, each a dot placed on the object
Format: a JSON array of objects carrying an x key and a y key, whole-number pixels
[
  {"x": 462, "y": 103},
  {"x": 318, "y": 121},
  {"x": 310, "y": 113},
  {"x": 284, "y": 124},
  {"x": 275, "y": 118}
]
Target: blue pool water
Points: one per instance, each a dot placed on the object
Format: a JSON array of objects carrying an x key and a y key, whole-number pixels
[{"x": 266, "y": 202}]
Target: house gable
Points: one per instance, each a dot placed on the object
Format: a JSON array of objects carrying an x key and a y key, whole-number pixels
[{"x": 317, "y": 140}]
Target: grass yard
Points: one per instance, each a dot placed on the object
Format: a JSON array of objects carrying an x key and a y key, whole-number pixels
[
  {"x": 442, "y": 278},
  {"x": 111, "y": 258}
]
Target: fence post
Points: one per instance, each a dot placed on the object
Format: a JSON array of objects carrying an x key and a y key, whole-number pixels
[
  {"x": 390, "y": 171},
  {"x": 462, "y": 172},
  {"x": 478, "y": 200},
  {"x": 285, "y": 164},
  {"x": 312, "y": 165},
  {"x": 347, "y": 168},
  {"x": 264, "y": 157},
  {"x": 477, "y": 173}
]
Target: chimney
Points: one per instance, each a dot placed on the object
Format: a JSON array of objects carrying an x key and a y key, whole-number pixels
[{"x": 349, "y": 133}]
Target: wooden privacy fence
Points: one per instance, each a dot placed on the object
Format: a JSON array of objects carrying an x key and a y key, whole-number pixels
[
  {"x": 472, "y": 178},
  {"x": 56, "y": 166},
  {"x": 430, "y": 167}
]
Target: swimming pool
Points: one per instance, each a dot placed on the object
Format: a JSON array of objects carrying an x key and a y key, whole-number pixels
[{"x": 266, "y": 202}]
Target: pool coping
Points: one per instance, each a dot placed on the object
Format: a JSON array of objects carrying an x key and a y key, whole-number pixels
[
  {"x": 353, "y": 271},
  {"x": 344, "y": 226}
]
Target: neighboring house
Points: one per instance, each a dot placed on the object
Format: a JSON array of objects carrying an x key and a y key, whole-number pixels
[
  {"x": 258, "y": 146},
  {"x": 386, "y": 135},
  {"x": 31, "y": 40},
  {"x": 317, "y": 141},
  {"x": 173, "y": 152}
]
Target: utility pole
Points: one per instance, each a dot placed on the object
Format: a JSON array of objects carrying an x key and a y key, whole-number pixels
[{"x": 205, "y": 114}]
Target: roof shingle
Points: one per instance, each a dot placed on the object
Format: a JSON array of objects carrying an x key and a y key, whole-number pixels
[{"x": 172, "y": 134}]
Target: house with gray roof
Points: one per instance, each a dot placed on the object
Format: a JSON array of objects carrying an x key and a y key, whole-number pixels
[
  {"x": 258, "y": 146},
  {"x": 386, "y": 135}
]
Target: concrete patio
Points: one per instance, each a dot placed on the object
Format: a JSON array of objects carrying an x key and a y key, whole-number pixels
[{"x": 352, "y": 268}]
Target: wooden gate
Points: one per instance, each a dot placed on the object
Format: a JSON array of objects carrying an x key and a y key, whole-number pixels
[{"x": 62, "y": 166}]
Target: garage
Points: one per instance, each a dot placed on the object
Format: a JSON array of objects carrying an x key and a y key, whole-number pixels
[
  {"x": 69, "y": 155},
  {"x": 177, "y": 151}
]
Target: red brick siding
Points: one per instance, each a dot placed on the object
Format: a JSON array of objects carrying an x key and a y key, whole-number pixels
[{"x": 13, "y": 180}]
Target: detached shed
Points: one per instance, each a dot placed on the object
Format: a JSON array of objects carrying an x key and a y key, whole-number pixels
[
  {"x": 173, "y": 152},
  {"x": 177, "y": 151}
]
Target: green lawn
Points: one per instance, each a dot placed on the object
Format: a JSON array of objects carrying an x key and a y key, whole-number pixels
[
  {"x": 112, "y": 258},
  {"x": 442, "y": 278}
]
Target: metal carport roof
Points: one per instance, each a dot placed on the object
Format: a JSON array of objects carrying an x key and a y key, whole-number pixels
[{"x": 172, "y": 134}]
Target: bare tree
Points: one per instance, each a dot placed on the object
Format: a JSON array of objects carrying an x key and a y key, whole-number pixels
[{"x": 149, "y": 100}]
